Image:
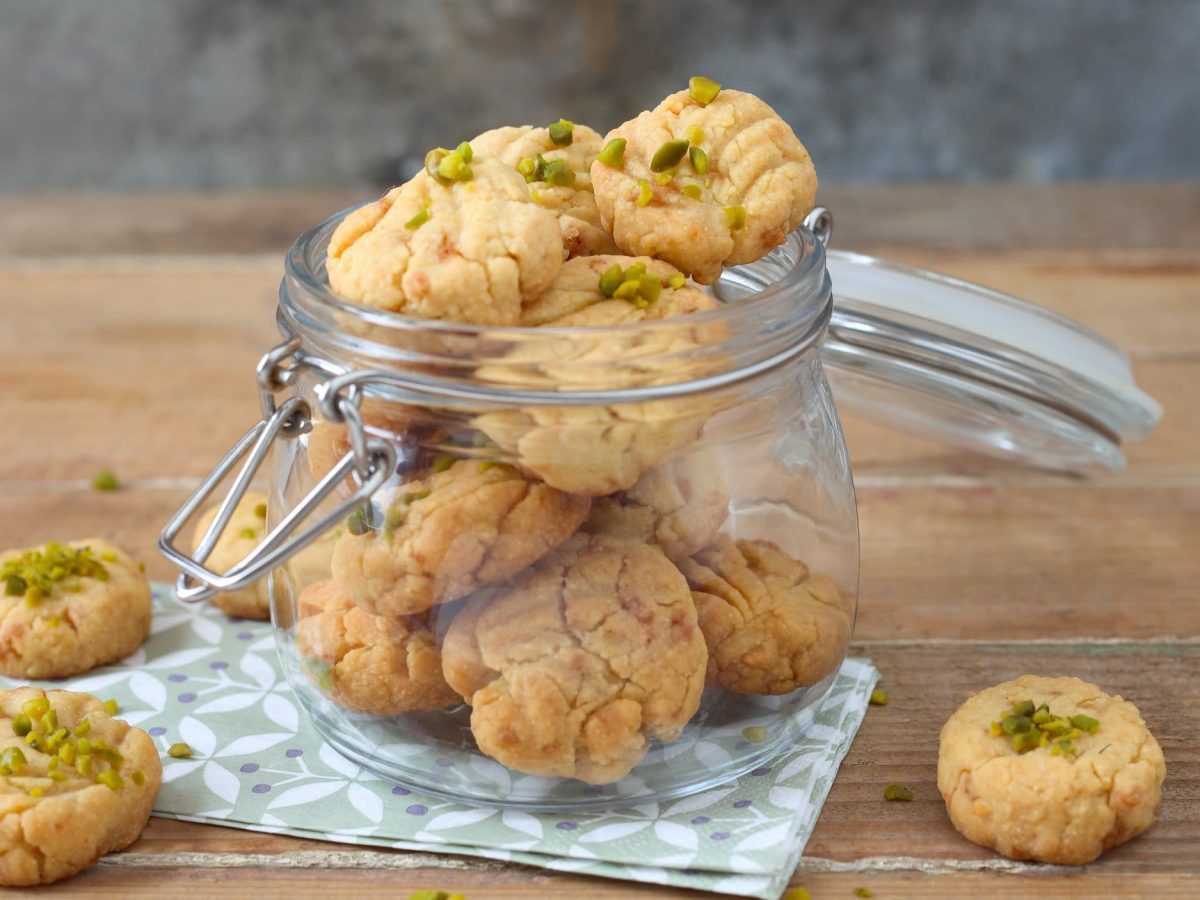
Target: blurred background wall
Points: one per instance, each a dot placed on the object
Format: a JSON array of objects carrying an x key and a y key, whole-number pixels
[{"x": 142, "y": 94}]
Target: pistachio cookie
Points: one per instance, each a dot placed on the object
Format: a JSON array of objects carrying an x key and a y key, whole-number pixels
[
  {"x": 679, "y": 506},
  {"x": 708, "y": 178},
  {"x": 772, "y": 625},
  {"x": 466, "y": 524},
  {"x": 583, "y": 658},
  {"x": 380, "y": 665},
  {"x": 75, "y": 784},
  {"x": 1051, "y": 769},
  {"x": 245, "y": 531},
  {"x": 68, "y": 608},
  {"x": 556, "y": 163},
  {"x": 462, "y": 241}
]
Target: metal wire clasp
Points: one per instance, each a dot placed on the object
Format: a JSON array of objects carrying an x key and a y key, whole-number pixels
[{"x": 370, "y": 462}]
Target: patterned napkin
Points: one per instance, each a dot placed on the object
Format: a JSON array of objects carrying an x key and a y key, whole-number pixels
[{"x": 258, "y": 764}]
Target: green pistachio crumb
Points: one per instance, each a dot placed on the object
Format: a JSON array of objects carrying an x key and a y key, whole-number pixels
[
  {"x": 261, "y": 510},
  {"x": 487, "y": 464},
  {"x": 665, "y": 178},
  {"x": 611, "y": 279},
  {"x": 443, "y": 462},
  {"x": 111, "y": 707},
  {"x": 699, "y": 159},
  {"x": 649, "y": 288},
  {"x": 676, "y": 281},
  {"x": 15, "y": 586},
  {"x": 105, "y": 481},
  {"x": 628, "y": 290},
  {"x": 528, "y": 168},
  {"x": 83, "y": 763},
  {"x": 863, "y": 892},
  {"x": 613, "y": 154},
  {"x": 897, "y": 791},
  {"x": 754, "y": 733},
  {"x": 83, "y": 728},
  {"x": 735, "y": 217},
  {"x": 111, "y": 779},
  {"x": 138, "y": 778},
  {"x": 464, "y": 150},
  {"x": 179, "y": 751},
  {"x": 694, "y": 134},
  {"x": 414, "y": 496},
  {"x": 454, "y": 167},
  {"x": 637, "y": 270},
  {"x": 419, "y": 218},
  {"x": 428, "y": 894},
  {"x": 35, "y": 708},
  {"x": 248, "y": 533},
  {"x": 22, "y": 725},
  {"x": 1085, "y": 723},
  {"x": 645, "y": 193},
  {"x": 361, "y": 521},
  {"x": 703, "y": 90},
  {"x": 49, "y": 721},
  {"x": 13, "y": 760},
  {"x": 668, "y": 155},
  {"x": 434, "y": 158},
  {"x": 562, "y": 133},
  {"x": 1024, "y": 708},
  {"x": 557, "y": 172},
  {"x": 36, "y": 792},
  {"x": 879, "y": 697}
]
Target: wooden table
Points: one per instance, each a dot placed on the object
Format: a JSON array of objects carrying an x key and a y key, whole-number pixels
[{"x": 130, "y": 328}]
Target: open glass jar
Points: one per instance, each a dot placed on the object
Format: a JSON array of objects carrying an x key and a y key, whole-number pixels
[{"x": 570, "y": 567}]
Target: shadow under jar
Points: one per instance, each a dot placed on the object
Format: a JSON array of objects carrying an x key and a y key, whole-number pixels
[{"x": 561, "y": 568}]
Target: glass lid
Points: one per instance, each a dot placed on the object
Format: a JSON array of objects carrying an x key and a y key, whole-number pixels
[{"x": 965, "y": 365}]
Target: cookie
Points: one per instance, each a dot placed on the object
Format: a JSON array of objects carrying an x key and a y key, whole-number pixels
[
  {"x": 739, "y": 182},
  {"x": 471, "y": 251},
  {"x": 678, "y": 506},
  {"x": 68, "y": 608},
  {"x": 771, "y": 624},
  {"x": 69, "y": 792},
  {"x": 380, "y": 665},
  {"x": 466, "y": 524},
  {"x": 558, "y": 176},
  {"x": 245, "y": 531},
  {"x": 1067, "y": 798},
  {"x": 600, "y": 449},
  {"x": 586, "y": 656}
]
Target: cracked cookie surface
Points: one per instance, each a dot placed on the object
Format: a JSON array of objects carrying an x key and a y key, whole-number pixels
[
  {"x": 55, "y": 821},
  {"x": 754, "y": 163},
  {"x": 79, "y": 622},
  {"x": 482, "y": 250},
  {"x": 447, "y": 534},
  {"x": 578, "y": 217},
  {"x": 772, "y": 625},
  {"x": 578, "y": 662},
  {"x": 679, "y": 506},
  {"x": 382, "y": 665},
  {"x": 1065, "y": 809},
  {"x": 245, "y": 531}
]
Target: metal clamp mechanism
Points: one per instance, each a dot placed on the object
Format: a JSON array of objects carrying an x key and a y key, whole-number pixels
[
  {"x": 370, "y": 462},
  {"x": 820, "y": 222}
]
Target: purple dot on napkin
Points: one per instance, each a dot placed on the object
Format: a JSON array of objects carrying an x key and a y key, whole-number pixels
[
  {"x": 741, "y": 804},
  {"x": 444, "y": 763},
  {"x": 176, "y": 677},
  {"x": 157, "y": 731},
  {"x": 244, "y": 636},
  {"x": 249, "y": 767},
  {"x": 566, "y": 826},
  {"x": 187, "y": 698},
  {"x": 417, "y": 809},
  {"x": 719, "y": 835},
  {"x": 294, "y": 752},
  {"x": 218, "y": 665},
  {"x": 762, "y": 770},
  {"x": 261, "y": 788},
  {"x": 400, "y": 791},
  {"x": 701, "y": 820}
]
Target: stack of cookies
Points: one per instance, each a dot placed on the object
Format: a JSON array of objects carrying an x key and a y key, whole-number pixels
[{"x": 566, "y": 575}]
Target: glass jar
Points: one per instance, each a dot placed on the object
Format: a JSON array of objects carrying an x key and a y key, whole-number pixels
[{"x": 564, "y": 568}]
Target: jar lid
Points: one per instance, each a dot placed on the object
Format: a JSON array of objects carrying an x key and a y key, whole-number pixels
[{"x": 975, "y": 368}]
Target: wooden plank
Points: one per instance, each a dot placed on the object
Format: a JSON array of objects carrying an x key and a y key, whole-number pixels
[{"x": 1125, "y": 217}]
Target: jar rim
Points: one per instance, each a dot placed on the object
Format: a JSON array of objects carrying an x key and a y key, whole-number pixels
[{"x": 772, "y": 309}]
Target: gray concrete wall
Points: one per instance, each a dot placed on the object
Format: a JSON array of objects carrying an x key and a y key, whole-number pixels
[{"x": 115, "y": 94}]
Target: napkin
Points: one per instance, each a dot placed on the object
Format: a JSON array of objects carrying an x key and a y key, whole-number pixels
[{"x": 258, "y": 764}]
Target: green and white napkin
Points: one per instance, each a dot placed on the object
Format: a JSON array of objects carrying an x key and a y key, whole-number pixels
[{"x": 216, "y": 684}]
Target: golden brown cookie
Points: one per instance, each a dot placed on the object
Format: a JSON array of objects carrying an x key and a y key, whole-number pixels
[
  {"x": 1070, "y": 797},
  {"x": 69, "y": 792},
  {"x": 558, "y": 175},
  {"x": 245, "y": 531},
  {"x": 465, "y": 525},
  {"x": 68, "y": 608},
  {"x": 739, "y": 183},
  {"x": 371, "y": 664},
  {"x": 772, "y": 625},
  {"x": 587, "y": 655},
  {"x": 679, "y": 506},
  {"x": 469, "y": 251}
]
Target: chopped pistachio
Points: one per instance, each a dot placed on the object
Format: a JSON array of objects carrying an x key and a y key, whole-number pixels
[
  {"x": 57, "y": 776},
  {"x": 35, "y": 708},
  {"x": 1024, "y": 708},
  {"x": 34, "y": 595},
  {"x": 562, "y": 133},
  {"x": 179, "y": 751},
  {"x": 428, "y": 894},
  {"x": 528, "y": 168},
  {"x": 13, "y": 759},
  {"x": 668, "y": 155},
  {"x": 628, "y": 290},
  {"x": 637, "y": 270},
  {"x": 83, "y": 763},
  {"x": 897, "y": 791},
  {"x": 649, "y": 288},
  {"x": 111, "y": 706},
  {"x": 703, "y": 90},
  {"x": 49, "y": 720},
  {"x": 699, "y": 159},
  {"x": 735, "y": 217},
  {"x": 35, "y": 573},
  {"x": 15, "y": 586},
  {"x": 67, "y": 754},
  {"x": 464, "y": 150},
  {"x": 22, "y": 725},
  {"x": 414, "y": 496},
  {"x": 694, "y": 134},
  {"x": 676, "y": 281},
  {"x": 1061, "y": 746},
  {"x": 36, "y": 792},
  {"x": 611, "y": 279},
  {"x": 487, "y": 464},
  {"x": 665, "y": 178},
  {"x": 361, "y": 521},
  {"x": 83, "y": 728},
  {"x": 557, "y": 172},
  {"x": 105, "y": 481},
  {"x": 83, "y": 745},
  {"x": 863, "y": 892},
  {"x": 434, "y": 158},
  {"x": 261, "y": 510},
  {"x": 422, "y": 216},
  {"x": 879, "y": 697},
  {"x": 53, "y": 621},
  {"x": 1016, "y": 724},
  {"x": 1085, "y": 723},
  {"x": 613, "y": 154},
  {"x": 1041, "y": 715},
  {"x": 1026, "y": 740},
  {"x": 536, "y": 197},
  {"x": 645, "y": 194},
  {"x": 454, "y": 167},
  {"x": 248, "y": 533},
  {"x": 110, "y": 779},
  {"x": 754, "y": 733},
  {"x": 138, "y": 778},
  {"x": 443, "y": 462}
]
